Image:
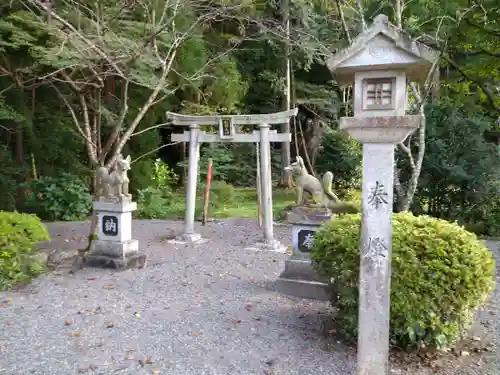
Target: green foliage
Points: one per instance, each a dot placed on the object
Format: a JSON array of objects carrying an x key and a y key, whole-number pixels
[
  {"x": 354, "y": 196},
  {"x": 234, "y": 163},
  {"x": 18, "y": 234},
  {"x": 152, "y": 203},
  {"x": 484, "y": 219},
  {"x": 341, "y": 155},
  {"x": 440, "y": 275},
  {"x": 63, "y": 198},
  {"x": 236, "y": 64},
  {"x": 224, "y": 164},
  {"x": 164, "y": 177},
  {"x": 460, "y": 170},
  {"x": 222, "y": 192},
  {"x": 9, "y": 177}
]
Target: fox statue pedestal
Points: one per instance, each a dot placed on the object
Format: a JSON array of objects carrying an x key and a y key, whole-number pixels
[
  {"x": 114, "y": 246},
  {"x": 299, "y": 279}
]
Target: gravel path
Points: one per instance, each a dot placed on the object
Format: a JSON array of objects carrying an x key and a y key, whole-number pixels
[{"x": 204, "y": 309}]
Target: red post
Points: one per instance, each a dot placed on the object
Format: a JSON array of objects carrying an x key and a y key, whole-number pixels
[{"x": 207, "y": 192}]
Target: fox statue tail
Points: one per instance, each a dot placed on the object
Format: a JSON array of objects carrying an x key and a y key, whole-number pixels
[
  {"x": 335, "y": 205},
  {"x": 101, "y": 176},
  {"x": 327, "y": 187}
]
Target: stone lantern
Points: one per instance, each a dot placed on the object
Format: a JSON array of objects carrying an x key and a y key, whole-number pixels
[{"x": 380, "y": 63}]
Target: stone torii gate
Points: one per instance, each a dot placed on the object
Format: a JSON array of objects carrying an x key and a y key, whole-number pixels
[{"x": 229, "y": 131}]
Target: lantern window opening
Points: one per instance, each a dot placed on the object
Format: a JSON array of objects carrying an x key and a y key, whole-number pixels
[{"x": 379, "y": 93}]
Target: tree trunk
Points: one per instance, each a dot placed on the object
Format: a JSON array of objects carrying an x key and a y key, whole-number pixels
[
  {"x": 286, "y": 178},
  {"x": 413, "y": 182},
  {"x": 19, "y": 157}
]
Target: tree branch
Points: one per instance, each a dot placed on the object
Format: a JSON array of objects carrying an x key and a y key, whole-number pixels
[
  {"x": 489, "y": 94},
  {"x": 161, "y": 82},
  {"x": 156, "y": 149},
  {"x": 85, "y": 135},
  {"x": 119, "y": 125},
  {"x": 148, "y": 129},
  {"x": 342, "y": 19},
  {"x": 407, "y": 151}
]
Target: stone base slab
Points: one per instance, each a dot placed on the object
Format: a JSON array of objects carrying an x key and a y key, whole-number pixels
[
  {"x": 114, "y": 249},
  {"x": 110, "y": 206},
  {"x": 302, "y": 289},
  {"x": 135, "y": 260},
  {"x": 300, "y": 269},
  {"x": 299, "y": 279},
  {"x": 304, "y": 215},
  {"x": 274, "y": 246},
  {"x": 190, "y": 237}
]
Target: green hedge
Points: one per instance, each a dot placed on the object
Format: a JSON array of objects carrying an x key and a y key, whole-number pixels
[
  {"x": 441, "y": 274},
  {"x": 18, "y": 235},
  {"x": 62, "y": 198}
]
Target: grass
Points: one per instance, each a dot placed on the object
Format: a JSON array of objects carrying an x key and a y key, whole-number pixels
[{"x": 243, "y": 204}]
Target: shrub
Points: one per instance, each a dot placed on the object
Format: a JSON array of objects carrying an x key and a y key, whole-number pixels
[
  {"x": 222, "y": 193},
  {"x": 341, "y": 155},
  {"x": 164, "y": 177},
  {"x": 441, "y": 274},
  {"x": 152, "y": 204},
  {"x": 64, "y": 198},
  {"x": 18, "y": 234}
]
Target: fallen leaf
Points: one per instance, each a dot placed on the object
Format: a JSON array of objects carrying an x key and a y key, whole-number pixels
[
  {"x": 75, "y": 334},
  {"x": 137, "y": 315},
  {"x": 156, "y": 372},
  {"x": 194, "y": 334},
  {"x": 107, "y": 364},
  {"x": 149, "y": 361},
  {"x": 67, "y": 322},
  {"x": 130, "y": 358},
  {"x": 268, "y": 372},
  {"x": 91, "y": 278},
  {"x": 109, "y": 286},
  {"x": 76, "y": 300},
  {"x": 236, "y": 321}
]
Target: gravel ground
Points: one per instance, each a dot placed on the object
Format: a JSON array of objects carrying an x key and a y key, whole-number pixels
[{"x": 208, "y": 309}]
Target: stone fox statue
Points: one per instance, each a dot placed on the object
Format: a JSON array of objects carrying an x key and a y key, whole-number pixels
[
  {"x": 321, "y": 192},
  {"x": 114, "y": 185}
]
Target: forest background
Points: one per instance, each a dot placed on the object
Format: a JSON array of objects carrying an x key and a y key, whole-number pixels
[{"x": 82, "y": 81}]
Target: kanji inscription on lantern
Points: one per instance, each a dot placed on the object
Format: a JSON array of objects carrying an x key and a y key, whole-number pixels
[
  {"x": 305, "y": 240},
  {"x": 377, "y": 251},
  {"x": 377, "y": 195},
  {"x": 110, "y": 225}
]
